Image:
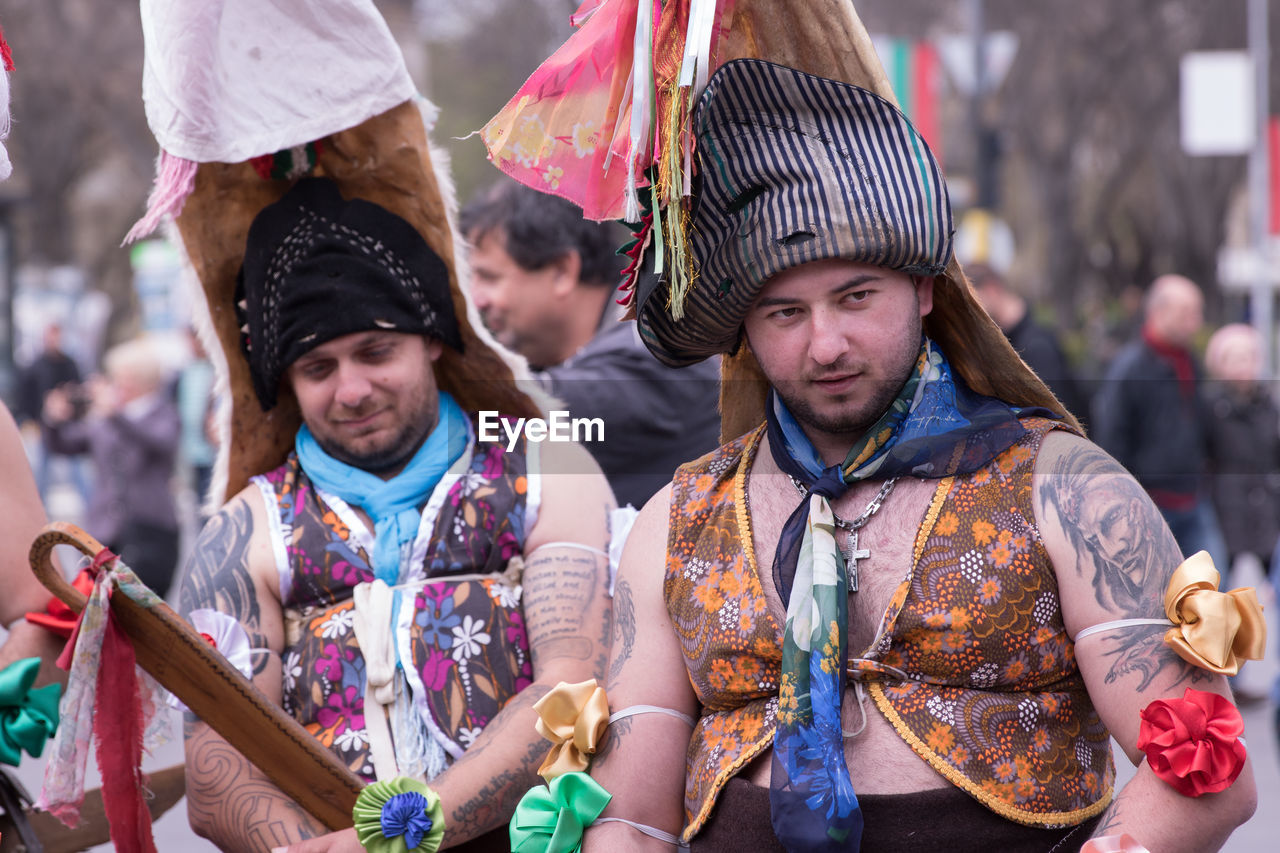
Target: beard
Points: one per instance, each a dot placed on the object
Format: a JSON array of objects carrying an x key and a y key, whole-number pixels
[
  {"x": 855, "y": 419},
  {"x": 391, "y": 454}
]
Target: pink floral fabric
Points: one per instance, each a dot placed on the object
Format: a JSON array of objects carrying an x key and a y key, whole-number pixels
[{"x": 466, "y": 636}]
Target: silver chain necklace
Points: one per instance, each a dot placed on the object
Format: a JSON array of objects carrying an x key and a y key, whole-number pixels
[{"x": 852, "y": 553}]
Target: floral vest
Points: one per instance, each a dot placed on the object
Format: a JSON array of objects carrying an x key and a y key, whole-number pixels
[
  {"x": 457, "y": 627},
  {"x": 992, "y": 698}
]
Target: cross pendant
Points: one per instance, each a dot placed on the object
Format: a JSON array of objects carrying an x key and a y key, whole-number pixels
[{"x": 852, "y": 554}]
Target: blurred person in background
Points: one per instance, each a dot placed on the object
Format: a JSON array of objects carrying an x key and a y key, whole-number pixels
[
  {"x": 1244, "y": 460},
  {"x": 50, "y": 370},
  {"x": 1038, "y": 345},
  {"x": 131, "y": 433},
  {"x": 1150, "y": 415},
  {"x": 195, "y": 409},
  {"x": 543, "y": 280},
  {"x": 1244, "y": 443}
]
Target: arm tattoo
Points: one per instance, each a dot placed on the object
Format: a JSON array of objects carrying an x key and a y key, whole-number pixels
[
  {"x": 217, "y": 575},
  {"x": 231, "y": 797},
  {"x": 1124, "y": 547},
  {"x": 559, "y": 592},
  {"x": 495, "y": 803},
  {"x": 1109, "y": 821},
  {"x": 496, "y": 800},
  {"x": 612, "y": 738},
  {"x": 1140, "y": 650},
  {"x": 1121, "y": 541},
  {"x": 624, "y": 630}
]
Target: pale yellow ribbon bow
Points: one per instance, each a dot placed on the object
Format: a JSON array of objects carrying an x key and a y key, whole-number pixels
[
  {"x": 1214, "y": 630},
  {"x": 573, "y": 717}
]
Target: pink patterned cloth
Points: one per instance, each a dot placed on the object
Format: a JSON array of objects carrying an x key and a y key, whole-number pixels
[
  {"x": 63, "y": 790},
  {"x": 566, "y": 131}
]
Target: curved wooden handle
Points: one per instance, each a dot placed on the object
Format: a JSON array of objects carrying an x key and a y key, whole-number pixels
[
  {"x": 168, "y": 648},
  {"x": 41, "y": 557}
]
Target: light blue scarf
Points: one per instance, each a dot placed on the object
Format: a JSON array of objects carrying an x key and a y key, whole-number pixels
[{"x": 393, "y": 504}]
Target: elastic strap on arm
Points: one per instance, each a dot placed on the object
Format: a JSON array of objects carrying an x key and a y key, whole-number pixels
[
  {"x": 651, "y": 831},
  {"x": 576, "y": 545},
  {"x": 1118, "y": 623},
  {"x": 633, "y": 710}
]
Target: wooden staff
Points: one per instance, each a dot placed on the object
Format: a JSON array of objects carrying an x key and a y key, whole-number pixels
[{"x": 182, "y": 661}]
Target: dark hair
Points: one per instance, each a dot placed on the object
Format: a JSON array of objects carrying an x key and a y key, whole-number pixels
[{"x": 541, "y": 228}]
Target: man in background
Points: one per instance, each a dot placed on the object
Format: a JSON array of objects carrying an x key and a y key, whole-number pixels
[
  {"x": 1150, "y": 416},
  {"x": 51, "y": 369},
  {"x": 1038, "y": 345},
  {"x": 543, "y": 279}
]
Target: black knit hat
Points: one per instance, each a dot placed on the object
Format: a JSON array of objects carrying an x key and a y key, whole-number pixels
[{"x": 317, "y": 267}]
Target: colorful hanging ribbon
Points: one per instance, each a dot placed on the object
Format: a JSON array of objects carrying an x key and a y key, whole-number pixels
[{"x": 108, "y": 700}]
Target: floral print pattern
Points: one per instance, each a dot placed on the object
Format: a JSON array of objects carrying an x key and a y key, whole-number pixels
[
  {"x": 466, "y": 639},
  {"x": 994, "y": 700}
]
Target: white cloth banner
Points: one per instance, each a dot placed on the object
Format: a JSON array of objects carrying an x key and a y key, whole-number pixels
[{"x": 226, "y": 80}]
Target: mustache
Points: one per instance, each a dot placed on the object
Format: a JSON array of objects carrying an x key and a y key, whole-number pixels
[{"x": 835, "y": 371}]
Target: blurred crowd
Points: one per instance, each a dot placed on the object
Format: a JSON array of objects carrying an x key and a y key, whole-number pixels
[{"x": 123, "y": 450}]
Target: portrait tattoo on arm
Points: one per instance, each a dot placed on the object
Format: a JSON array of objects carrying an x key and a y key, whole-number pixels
[
  {"x": 1120, "y": 540},
  {"x": 1125, "y": 550}
]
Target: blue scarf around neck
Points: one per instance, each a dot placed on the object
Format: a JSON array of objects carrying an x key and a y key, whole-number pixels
[{"x": 392, "y": 504}]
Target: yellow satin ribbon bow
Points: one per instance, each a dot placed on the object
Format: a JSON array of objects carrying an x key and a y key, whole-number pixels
[
  {"x": 1213, "y": 630},
  {"x": 573, "y": 717}
]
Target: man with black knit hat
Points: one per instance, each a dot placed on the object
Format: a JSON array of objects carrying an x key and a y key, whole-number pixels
[
  {"x": 407, "y": 592},
  {"x": 907, "y": 605}
]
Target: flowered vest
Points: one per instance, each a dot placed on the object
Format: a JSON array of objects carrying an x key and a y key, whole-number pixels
[
  {"x": 462, "y": 641},
  {"x": 992, "y": 698}
]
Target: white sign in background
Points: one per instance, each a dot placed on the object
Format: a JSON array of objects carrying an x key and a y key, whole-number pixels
[{"x": 1217, "y": 103}]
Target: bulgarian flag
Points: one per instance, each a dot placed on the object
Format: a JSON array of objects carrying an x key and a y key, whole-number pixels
[{"x": 915, "y": 73}]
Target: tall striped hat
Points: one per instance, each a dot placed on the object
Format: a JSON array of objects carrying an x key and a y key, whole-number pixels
[{"x": 793, "y": 168}]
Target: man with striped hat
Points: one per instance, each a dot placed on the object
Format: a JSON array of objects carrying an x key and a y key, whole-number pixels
[{"x": 910, "y": 609}]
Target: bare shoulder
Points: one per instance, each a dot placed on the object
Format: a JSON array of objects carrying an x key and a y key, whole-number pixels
[
  {"x": 575, "y": 497},
  {"x": 645, "y": 553},
  {"x": 232, "y": 564}
]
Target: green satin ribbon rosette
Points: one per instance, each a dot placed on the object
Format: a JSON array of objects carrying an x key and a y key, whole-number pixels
[
  {"x": 400, "y": 815},
  {"x": 28, "y": 717},
  {"x": 551, "y": 819}
]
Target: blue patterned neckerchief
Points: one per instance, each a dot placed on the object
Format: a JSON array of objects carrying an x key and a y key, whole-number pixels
[
  {"x": 392, "y": 504},
  {"x": 936, "y": 427}
]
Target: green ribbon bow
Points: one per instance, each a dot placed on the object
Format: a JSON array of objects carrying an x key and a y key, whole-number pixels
[
  {"x": 552, "y": 819},
  {"x": 28, "y": 717}
]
